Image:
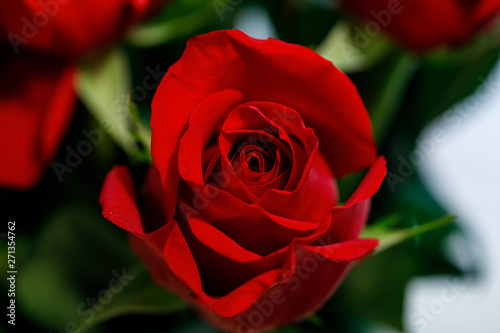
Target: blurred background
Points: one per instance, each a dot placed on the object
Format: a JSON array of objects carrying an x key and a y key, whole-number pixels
[
  {"x": 435, "y": 117},
  {"x": 462, "y": 176}
]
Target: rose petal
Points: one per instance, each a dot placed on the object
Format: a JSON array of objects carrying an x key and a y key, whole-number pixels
[
  {"x": 37, "y": 98},
  {"x": 181, "y": 262},
  {"x": 370, "y": 183},
  {"x": 308, "y": 202},
  {"x": 154, "y": 209},
  {"x": 311, "y": 283},
  {"x": 348, "y": 220},
  {"x": 219, "y": 242},
  {"x": 118, "y": 200},
  {"x": 242, "y": 298},
  {"x": 205, "y": 120},
  {"x": 345, "y": 251},
  {"x": 221, "y": 274},
  {"x": 119, "y": 205},
  {"x": 154, "y": 259},
  {"x": 244, "y": 223}
]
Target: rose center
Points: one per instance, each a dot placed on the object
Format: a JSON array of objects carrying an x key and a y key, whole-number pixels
[
  {"x": 258, "y": 162},
  {"x": 258, "y": 156}
]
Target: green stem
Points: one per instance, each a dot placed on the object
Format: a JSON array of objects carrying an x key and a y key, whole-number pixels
[
  {"x": 390, "y": 238},
  {"x": 385, "y": 108}
]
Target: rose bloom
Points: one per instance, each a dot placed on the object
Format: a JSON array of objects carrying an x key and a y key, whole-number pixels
[
  {"x": 39, "y": 44},
  {"x": 421, "y": 25},
  {"x": 240, "y": 213}
]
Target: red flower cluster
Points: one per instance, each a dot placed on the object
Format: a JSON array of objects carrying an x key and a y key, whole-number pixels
[{"x": 241, "y": 215}]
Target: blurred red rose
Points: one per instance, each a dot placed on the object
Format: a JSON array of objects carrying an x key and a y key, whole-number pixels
[
  {"x": 37, "y": 99},
  {"x": 69, "y": 28},
  {"x": 425, "y": 24},
  {"x": 41, "y": 40},
  {"x": 241, "y": 215}
]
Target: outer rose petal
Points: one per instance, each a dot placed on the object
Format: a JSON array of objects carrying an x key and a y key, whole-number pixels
[
  {"x": 307, "y": 286},
  {"x": 119, "y": 205},
  {"x": 37, "y": 98},
  {"x": 180, "y": 260},
  {"x": 348, "y": 220},
  {"x": 155, "y": 262},
  {"x": 325, "y": 98},
  {"x": 224, "y": 281},
  {"x": 118, "y": 200},
  {"x": 154, "y": 211},
  {"x": 71, "y": 28},
  {"x": 419, "y": 25}
]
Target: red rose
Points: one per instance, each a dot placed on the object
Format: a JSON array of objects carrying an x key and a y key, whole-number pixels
[
  {"x": 69, "y": 28},
  {"x": 36, "y": 93},
  {"x": 425, "y": 24},
  {"x": 241, "y": 214}
]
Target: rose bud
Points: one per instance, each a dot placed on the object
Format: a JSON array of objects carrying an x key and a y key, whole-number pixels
[
  {"x": 424, "y": 24},
  {"x": 241, "y": 213}
]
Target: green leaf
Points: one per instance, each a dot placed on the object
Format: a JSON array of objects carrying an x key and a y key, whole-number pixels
[
  {"x": 104, "y": 85},
  {"x": 180, "y": 19},
  {"x": 140, "y": 296},
  {"x": 142, "y": 132},
  {"x": 389, "y": 237},
  {"x": 287, "y": 329},
  {"x": 316, "y": 320},
  {"x": 83, "y": 273},
  {"x": 390, "y": 93},
  {"x": 348, "y": 54}
]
